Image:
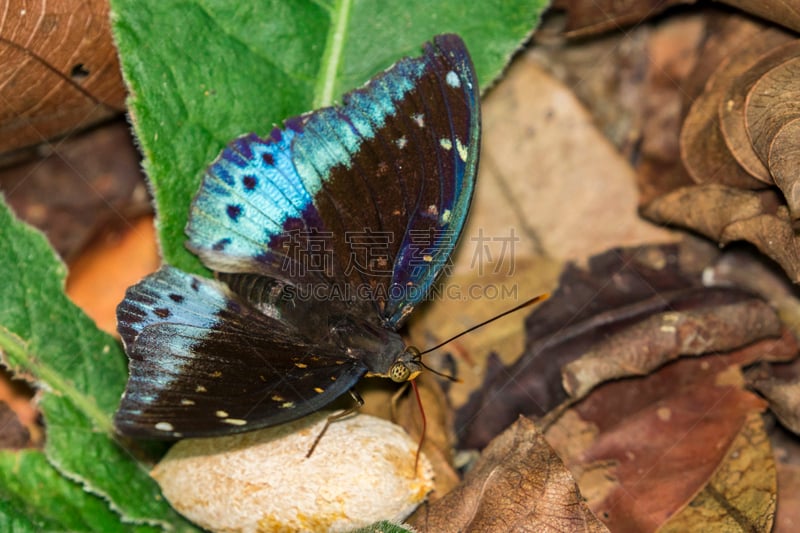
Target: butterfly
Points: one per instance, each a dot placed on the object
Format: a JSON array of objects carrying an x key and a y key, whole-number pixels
[{"x": 323, "y": 237}]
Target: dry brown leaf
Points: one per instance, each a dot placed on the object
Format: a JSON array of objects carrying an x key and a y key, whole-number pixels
[
  {"x": 784, "y": 162},
  {"x": 772, "y": 98},
  {"x": 727, "y": 214},
  {"x": 707, "y": 209},
  {"x": 778, "y": 11},
  {"x": 742, "y": 492},
  {"x": 83, "y": 185},
  {"x": 661, "y": 338},
  {"x": 731, "y": 102},
  {"x": 705, "y": 151},
  {"x": 518, "y": 484},
  {"x": 589, "y": 17},
  {"x": 773, "y": 235},
  {"x": 62, "y": 54},
  {"x": 642, "y": 448},
  {"x": 733, "y": 93},
  {"x": 709, "y": 156}
]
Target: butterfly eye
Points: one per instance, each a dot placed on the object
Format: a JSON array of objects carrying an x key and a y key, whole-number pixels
[{"x": 399, "y": 372}]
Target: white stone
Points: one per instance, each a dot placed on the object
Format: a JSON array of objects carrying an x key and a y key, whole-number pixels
[{"x": 362, "y": 471}]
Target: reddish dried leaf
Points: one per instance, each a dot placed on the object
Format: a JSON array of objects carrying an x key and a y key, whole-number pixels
[
  {"x": 658, "y": 439},
  {"x": 784, "y": 162},
  {"x": 741, "y": 494},
  {"x": 663, "y": 337},
  {"x": 772, "y": 97},
  {"x": 90, "y": 182},
  {"x": 59, "y": 69},
  {"x": 518, "y": 484}
]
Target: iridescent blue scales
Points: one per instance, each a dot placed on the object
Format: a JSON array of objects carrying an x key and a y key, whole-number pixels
[{"x": 303, "y": 307}]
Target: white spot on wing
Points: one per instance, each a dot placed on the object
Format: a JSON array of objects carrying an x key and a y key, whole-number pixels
[
  {"x": 419, "y": 118},
  {"x": 447, "y": 144},
  {"x": 235, "y": 421},
  {"x": 462, "y": 150},
  {"x": 165, "y": 426},
  {"x": 187, "y": 402},
  {"x": 401, "y": 142},
  {"x": 453, "y": 80},
  {"x": 222, "y": 414}
]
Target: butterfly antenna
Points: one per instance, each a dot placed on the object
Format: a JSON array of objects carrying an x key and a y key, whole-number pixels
[{"x": 523, "y": 305}]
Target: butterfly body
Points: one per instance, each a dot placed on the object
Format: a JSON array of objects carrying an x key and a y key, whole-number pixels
[{"x": 323, "y": 236}]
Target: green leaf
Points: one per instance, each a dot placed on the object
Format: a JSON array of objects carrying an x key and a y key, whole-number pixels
[
  {"x": 80, "y": 370},
  {"x": 35, "y": 497},
  {"x": 202, "y": 72},
  {"x": 383, "y": 527}
]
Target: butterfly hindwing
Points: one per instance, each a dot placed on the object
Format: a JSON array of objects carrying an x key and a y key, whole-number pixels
[
  {"x": 204, "y": 362},
  {"x": 371, "y": 194}
]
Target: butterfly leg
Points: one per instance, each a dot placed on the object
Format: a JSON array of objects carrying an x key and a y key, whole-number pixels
[{"x": 358, "y": 404}]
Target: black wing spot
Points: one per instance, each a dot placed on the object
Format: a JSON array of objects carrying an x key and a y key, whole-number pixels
[
  {"x": 234, "y": 211},
  {"x": 195, "y": 285},
  {"x": 249, "y": 182},
  {"x": 162, "y": 312},
  {"x": 177, "y": 298},
  {"x": 220, "y": 245},
  {"x": 269, "y": 160}
]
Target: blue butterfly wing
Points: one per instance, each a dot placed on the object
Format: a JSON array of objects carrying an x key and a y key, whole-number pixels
[
  {"x": 205, "y": 362},
  {"x": 394, "y": 165}
]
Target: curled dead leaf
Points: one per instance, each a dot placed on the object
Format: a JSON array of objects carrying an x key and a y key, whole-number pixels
[
  {"x": 784, "y": 162},
  {"x": 518, "y": 484},
  {"x": 590, "y": 17},
  {"x": 732, "y": 94},
  {"x": 663, "y": 337},
  {"x": 773, "y": 96},
  {"x": 727, "y": 214}
]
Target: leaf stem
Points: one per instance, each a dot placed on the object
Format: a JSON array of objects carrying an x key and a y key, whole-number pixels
[{"x": 332, "y": 57}]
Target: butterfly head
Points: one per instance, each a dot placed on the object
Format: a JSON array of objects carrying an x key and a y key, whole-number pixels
[{"x": 407, "y": 366}]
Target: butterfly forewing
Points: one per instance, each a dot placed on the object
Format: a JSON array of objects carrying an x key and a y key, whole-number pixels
[{"x": 377, "y": 189}]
